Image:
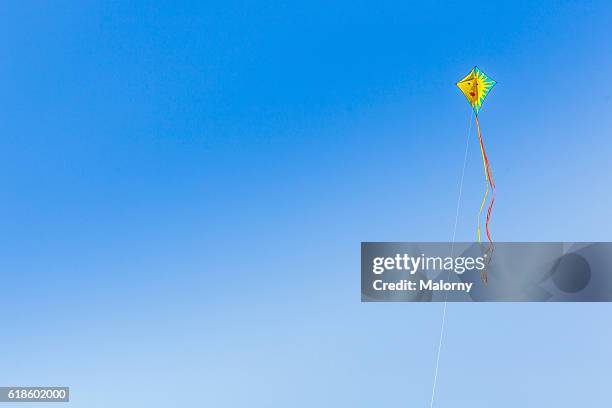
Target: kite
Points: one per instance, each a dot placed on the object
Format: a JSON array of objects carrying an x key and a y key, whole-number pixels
[{"x": 476, "y": 86}]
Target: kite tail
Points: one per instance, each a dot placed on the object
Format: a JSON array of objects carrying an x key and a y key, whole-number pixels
[{"x": 488, "y": 182}]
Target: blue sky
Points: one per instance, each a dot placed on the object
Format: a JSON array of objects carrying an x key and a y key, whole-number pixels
[{"x": 184, "y": 187}]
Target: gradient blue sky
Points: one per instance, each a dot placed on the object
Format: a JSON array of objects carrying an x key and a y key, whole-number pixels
[{"x": 184, "y": 187}]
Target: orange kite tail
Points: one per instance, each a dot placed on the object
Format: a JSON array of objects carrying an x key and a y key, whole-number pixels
[{"x": 489, "y": 182}]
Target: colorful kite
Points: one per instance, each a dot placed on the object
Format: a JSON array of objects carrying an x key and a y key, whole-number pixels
[{"x": 476, "y": 86}]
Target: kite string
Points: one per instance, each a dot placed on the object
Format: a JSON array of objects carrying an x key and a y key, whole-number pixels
[{"x": 465, "y": 155}]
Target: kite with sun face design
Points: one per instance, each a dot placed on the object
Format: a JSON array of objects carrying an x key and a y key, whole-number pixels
[{"x": 476, "y": 86}]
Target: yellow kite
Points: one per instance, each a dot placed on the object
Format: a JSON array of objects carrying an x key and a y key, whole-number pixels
[{"x": 476, "y": 86}]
